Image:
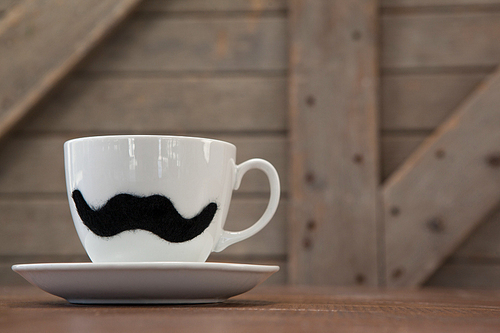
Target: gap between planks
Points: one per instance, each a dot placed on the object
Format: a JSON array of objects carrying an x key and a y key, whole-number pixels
[
  {"x": 152, "y": 14},
  {"x": 437, "y": 70},
  {"x": 444, "y": 9},
  {"x": 181, "y": 74}
]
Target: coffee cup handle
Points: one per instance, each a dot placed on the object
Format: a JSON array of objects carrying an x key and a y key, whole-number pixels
[{"x": 230, "y": 237}]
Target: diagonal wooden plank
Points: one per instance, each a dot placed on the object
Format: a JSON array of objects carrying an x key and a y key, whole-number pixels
[
  {"x": 333, "y": 130},
  {"x": 41, "y": 41},
  {"x": 444, "y": 189},
  {"x": 5, "y": 4}
]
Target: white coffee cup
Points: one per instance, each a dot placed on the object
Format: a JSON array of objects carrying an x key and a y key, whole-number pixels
[{"x": 136, "y": 198}]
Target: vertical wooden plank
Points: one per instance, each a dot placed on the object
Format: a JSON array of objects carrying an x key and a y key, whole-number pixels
[{"x": 334, "y": 146}]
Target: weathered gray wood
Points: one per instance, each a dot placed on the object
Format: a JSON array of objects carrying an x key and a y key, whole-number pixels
[
  {"x": 40, "y": 226},
  {"x": 432, "y": 40},
  {"x": 333, "y": 132},
  {"x": 259, "y": 44},
  {"x": 31, "y": 165},
  {"x": 444, "y": 189},
  {"x": 195, "y": 44},
  {"x": 395, "y": 149},
  {"x": 148, "y": 105},
  {"x": 430, "y": 3},
  {"x": 271, "y": 241},
  {"x": 41, "y": 41},
  {"x": 176, "y": 6},
  {"x": 6, "y": 4},
  {"x": 45, "y": 227},
  {"x": 484, "y": 242},
  {"x": 423, "y": 101},
  {"x": 467, "y": 276},
  {"x": 35, "y": 164},
  {"x": 271, "y": 148}
]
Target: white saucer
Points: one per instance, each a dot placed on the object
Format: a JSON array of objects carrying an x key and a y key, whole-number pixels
[{"x": 143, "y": 283}]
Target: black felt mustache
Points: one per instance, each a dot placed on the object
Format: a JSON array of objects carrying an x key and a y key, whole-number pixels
[{"x": 154, "y": 213}]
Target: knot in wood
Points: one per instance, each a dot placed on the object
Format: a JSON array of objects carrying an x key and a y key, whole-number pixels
[
  {"x": 310, "y": 177},
  {"x": 395, "y": 211},
  {"x": 397, "y": 273},
  {"x": 358, "y": 158},
  {"x": 493, "y": 160},
  {"x": 310, "y": 100},
  {"x": 356, "y": 35},
  {"x": 311, "y": 225},
  {"x": 440, "y": 153},
  {"x": 307, "y": 243},
  {"x": 360, "y": 279},
  {"x": 436, "y": 225}
]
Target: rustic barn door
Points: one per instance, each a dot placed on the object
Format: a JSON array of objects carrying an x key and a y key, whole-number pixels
[
  {"x": 390, "y": 155},
  {"x": 433, "y": 56}
]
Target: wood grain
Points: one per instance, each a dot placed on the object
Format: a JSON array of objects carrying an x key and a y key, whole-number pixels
[
  {"x": 6, "y": 4},
  {"x": 271, "y": 241},
  {"x": 466, "y": 276},
  {"x": 333, "y": 133},
  {"x": 258, "y": 44},
  {"x": 195, "y": 44},
  {"x": 483, "y": 244},
  {"x": 221, "y": 44},
  {"x": 272, "y": 308},
  {"x": 395, "y": 149},
  {"x": 434, "y": 40},
  {"x": 443, "y": 190},
  {"x": 42, "y": 41},
  {"x": 37, "y": 227},
  {"x": 476, "y": 262},
  {"x": 423, "y": 101},
  {"x": 164, "y": 105}
]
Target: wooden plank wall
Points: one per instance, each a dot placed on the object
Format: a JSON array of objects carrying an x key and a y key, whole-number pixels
[
  {"x": 218, "y": 68},
  {"x": 214, "y": 69},
  {"x": 444, "y": 190},
  {"x": 42, "y": 41},
  {"x": 434, "y": 54}
]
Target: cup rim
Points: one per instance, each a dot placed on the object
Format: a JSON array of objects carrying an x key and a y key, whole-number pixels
[{"x": 144, "y": 136}]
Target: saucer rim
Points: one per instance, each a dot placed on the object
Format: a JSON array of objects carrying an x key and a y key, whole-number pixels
[
  {"x": 90, "y": 292},
  {"x": 220, "y": 266}
]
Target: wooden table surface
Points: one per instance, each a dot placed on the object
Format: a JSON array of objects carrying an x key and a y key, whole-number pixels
[{"x": 264, "y": 309}]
